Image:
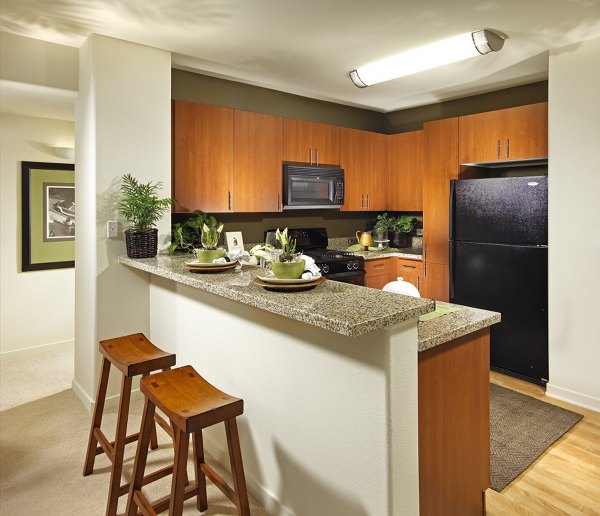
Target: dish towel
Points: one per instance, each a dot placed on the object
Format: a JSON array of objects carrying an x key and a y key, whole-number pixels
[
  {"x": 311, "y": 270},
  {"x": 234, "y": 256}
]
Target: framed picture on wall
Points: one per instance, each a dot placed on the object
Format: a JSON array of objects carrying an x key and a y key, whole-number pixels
[{"x": 48, "y": 215}]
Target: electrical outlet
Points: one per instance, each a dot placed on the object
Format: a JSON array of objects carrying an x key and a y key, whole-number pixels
[{"x": 112, "y": 229}]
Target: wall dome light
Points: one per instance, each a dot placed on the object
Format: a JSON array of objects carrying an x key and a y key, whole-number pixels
[
  {"x": 64, "y": 152},
  {"x": 423, "y": 58}
]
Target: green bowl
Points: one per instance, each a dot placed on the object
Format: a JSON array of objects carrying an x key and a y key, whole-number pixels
[
  {"x": 208, "y": 255},
  {"x": 288, "y": 270}
]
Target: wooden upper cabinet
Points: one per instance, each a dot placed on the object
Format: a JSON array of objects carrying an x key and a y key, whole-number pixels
[
  {"x": 202, "y": 157},
  {"x": 406, "y": 161},
  {"x": 257, "y": 170},
  {"x": 311, "y": 142},
  {"x": 441, "y": 165},
  {"x": 507, "y": 134},
  {"x": 364, "y": 158}
]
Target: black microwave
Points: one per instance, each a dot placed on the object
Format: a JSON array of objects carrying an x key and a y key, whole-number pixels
[{"x": 311, "y": 187}]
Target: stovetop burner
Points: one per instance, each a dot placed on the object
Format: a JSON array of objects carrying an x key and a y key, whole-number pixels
[{"x": 320, "y": 255}]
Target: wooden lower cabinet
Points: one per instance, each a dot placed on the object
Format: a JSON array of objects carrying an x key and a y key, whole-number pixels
[
  {"x": 454, "y": 426},
  {"x": 435, "y": 284},
  {"x": 378, "y": 272},
  {"x": 410, "y": 271}
]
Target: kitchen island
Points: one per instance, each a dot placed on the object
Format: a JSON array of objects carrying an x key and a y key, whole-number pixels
[{"x": 330, "y": 380}]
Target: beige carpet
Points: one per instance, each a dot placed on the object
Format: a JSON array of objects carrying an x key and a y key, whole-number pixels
[{"x": 42, "y": 448}]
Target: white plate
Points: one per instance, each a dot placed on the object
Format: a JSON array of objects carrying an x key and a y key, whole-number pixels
[
  {"x": 195, "y": 263},
  {"x": 270, "y": 278}
]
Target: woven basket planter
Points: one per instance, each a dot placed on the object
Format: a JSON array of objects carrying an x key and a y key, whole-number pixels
[{"x": 141, "y": 244}]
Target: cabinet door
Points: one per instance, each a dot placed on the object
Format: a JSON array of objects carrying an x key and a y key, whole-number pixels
[
  {"x": 378, "y": 272},
  {"x": 326, "y": 144},
  {"x": 481, "y": 137},
  {"x": 406, "y": 158},
  {"x": 376, "y": 171},
  {"x": 436, "y": 282},
  {"x": 352, "y": 160},
  {"x": 377, "y": 281},
  {"x": 526, "y": 132},
  {"x": 441, "y": 165},
  {"x": 297, "y": 141},
  {"x": 202, "y": 157},
  {"x": 258, "y": 143}
]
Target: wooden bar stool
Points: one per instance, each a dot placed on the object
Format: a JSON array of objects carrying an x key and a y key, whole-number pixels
[
  {"x": 132, "y": 355},
  {"x": 191, "y": 403}
]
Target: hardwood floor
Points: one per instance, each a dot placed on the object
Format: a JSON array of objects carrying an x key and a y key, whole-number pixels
[{"x": 565, "y": 479}]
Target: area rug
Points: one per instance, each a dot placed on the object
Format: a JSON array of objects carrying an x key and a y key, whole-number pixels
[{"x": 522, "y": 428}]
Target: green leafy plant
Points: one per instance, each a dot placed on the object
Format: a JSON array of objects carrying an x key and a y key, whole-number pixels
[
  {"x": 210, "y": 236},
  {"x": 186, "y": 236},
  {"x": 385, "y": 221},
  {"x": 288, "y": 246},
  {"x": 404, "y": 224},
  {"x": 139, "y": 203}
]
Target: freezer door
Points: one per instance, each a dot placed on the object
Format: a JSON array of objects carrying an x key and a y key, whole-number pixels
[
  {"x": 511, "y": 210},
  {"x": 512, "y": 280}
]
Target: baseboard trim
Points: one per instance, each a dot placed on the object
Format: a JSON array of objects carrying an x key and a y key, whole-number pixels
[
  {"x": 576, "y": 398},
  {"x": 59, "y": 343},
  {"x": 111, "y": 401},
  {"x": 267, "y": 498}
]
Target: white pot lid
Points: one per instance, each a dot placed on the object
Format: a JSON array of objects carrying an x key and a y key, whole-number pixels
[{"x": 402, "y": 287}]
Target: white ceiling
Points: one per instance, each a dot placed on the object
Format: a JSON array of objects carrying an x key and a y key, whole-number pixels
[{"x": 307, "y": 47}]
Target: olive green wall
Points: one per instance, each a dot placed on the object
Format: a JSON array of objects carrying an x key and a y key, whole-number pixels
[
  {"x": 412, "y": 119},
  {"x": 194, "y": 87}
]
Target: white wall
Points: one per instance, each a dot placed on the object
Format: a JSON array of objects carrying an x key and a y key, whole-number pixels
[
  {"x": 123, "y": 125},
  {"x": 36, "y": 308},
  {"x": 574, "y": 231}
]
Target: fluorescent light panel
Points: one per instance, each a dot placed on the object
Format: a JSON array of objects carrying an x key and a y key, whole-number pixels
[{"x": 429, "y": 56}]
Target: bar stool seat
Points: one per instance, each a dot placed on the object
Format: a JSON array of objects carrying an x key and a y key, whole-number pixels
[
  {"x": 191, "y": 403},
  {"x": 132, "y": 355}
]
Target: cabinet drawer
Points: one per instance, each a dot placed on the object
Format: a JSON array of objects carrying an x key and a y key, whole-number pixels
[
  {"x": 409, "y": 268},
  {"x": 379, "y": 267}
]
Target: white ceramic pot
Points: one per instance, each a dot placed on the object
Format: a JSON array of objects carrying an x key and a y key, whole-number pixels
[{"x": 402, "y": 287}]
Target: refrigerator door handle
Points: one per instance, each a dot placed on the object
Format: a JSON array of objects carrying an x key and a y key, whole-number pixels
[
  {"x": 451, "y": 266},
  {"x": 452, "y": 208}
]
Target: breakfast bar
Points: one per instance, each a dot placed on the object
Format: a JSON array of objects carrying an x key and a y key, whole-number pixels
[{"x": 331, "y": 380}]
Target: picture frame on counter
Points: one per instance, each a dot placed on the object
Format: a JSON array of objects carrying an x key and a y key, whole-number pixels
[
  {"x": 47, "y": 215},
  {"x": 234, "y": 241}
]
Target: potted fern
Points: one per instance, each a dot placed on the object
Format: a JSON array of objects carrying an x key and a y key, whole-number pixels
[{"x": 141, "y": 207}]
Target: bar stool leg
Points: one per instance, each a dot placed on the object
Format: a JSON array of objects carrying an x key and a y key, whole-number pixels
[
  {"x": 237, "y": 468},
  {"x": 153, "y": 436},
  {"x": 182, "y": 440},
  {"x": 198, "y": 446},
  {"x": 121, "y": 434},
  {"x": 90, "y": 455},
  {"x": 141, "y": 456}
]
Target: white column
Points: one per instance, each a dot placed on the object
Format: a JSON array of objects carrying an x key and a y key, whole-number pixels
[
  {"x": 123, "y": 125},
  {"x": 574, "y": 211}
]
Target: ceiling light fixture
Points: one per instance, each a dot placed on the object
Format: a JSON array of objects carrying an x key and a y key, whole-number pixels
[{"x": 436, "y": 54}]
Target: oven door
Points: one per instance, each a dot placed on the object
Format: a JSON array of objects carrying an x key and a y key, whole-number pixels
[{"x": 355, "y": 277}]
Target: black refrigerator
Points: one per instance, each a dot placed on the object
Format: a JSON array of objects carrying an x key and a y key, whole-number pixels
[{"x": 499, "y": 262}]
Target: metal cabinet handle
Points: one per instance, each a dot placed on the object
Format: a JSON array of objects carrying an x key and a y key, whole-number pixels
[
  {"x": 317, "y": 152},
  {"x": 498, "y": 148},
  {"x": 507, "y": 148},
  {"x": 362, "y": 201},
  {"x": 419, "y": 283},
  {"x": 409, "y": 266},
  {"x": 367, "y": 201},
  {"x": 278, "y": 202},
  {"x": 311, "y": 155},
  {"x": 230, "y": 200}
]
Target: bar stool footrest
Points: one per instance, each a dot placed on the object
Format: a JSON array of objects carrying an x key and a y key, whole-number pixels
[
  {"x": 148, "y": 479},
  {"x": 162, "y": 504},
  {"x": 218, "y": 481}
]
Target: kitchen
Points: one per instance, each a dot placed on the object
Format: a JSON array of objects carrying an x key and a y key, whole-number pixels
[{"x": 140, "y": 156}]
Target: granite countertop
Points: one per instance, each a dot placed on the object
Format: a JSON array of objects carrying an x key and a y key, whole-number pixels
[
  {"x": 409, "y": 253},
  {"x": 339, "y": 307},
  {"x": 451, "y": 326}
]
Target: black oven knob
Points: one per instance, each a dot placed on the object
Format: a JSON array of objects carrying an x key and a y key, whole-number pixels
[
  {"x": 355, "y": 265},
  {"x": 349, "y": 266},
  {"x": 324, "y": 268}
]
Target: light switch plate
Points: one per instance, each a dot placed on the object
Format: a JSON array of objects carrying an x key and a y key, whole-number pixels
[{"x": 112, "y": 229}]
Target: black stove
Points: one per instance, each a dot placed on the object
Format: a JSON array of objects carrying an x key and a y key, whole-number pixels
[{"x": 334, "y": 265}]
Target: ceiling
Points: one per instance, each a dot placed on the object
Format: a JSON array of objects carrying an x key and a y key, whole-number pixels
[{"x": 307, "y": 47}]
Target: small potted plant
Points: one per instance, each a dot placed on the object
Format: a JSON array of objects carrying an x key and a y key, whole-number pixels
[
  {"x": 187, "y": 236},
  {"x": 142, "y": 208},
  {"x": 210, "y": 241},
  {"x": 288, "y": 264},
  {"x": 402, "y": 227}
]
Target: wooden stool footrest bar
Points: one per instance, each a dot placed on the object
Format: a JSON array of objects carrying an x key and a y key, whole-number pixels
[
  {"x": 218, "y": 481},
  {"x": 148, "y": 479},
  {"x": 162, "y": 504}
]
